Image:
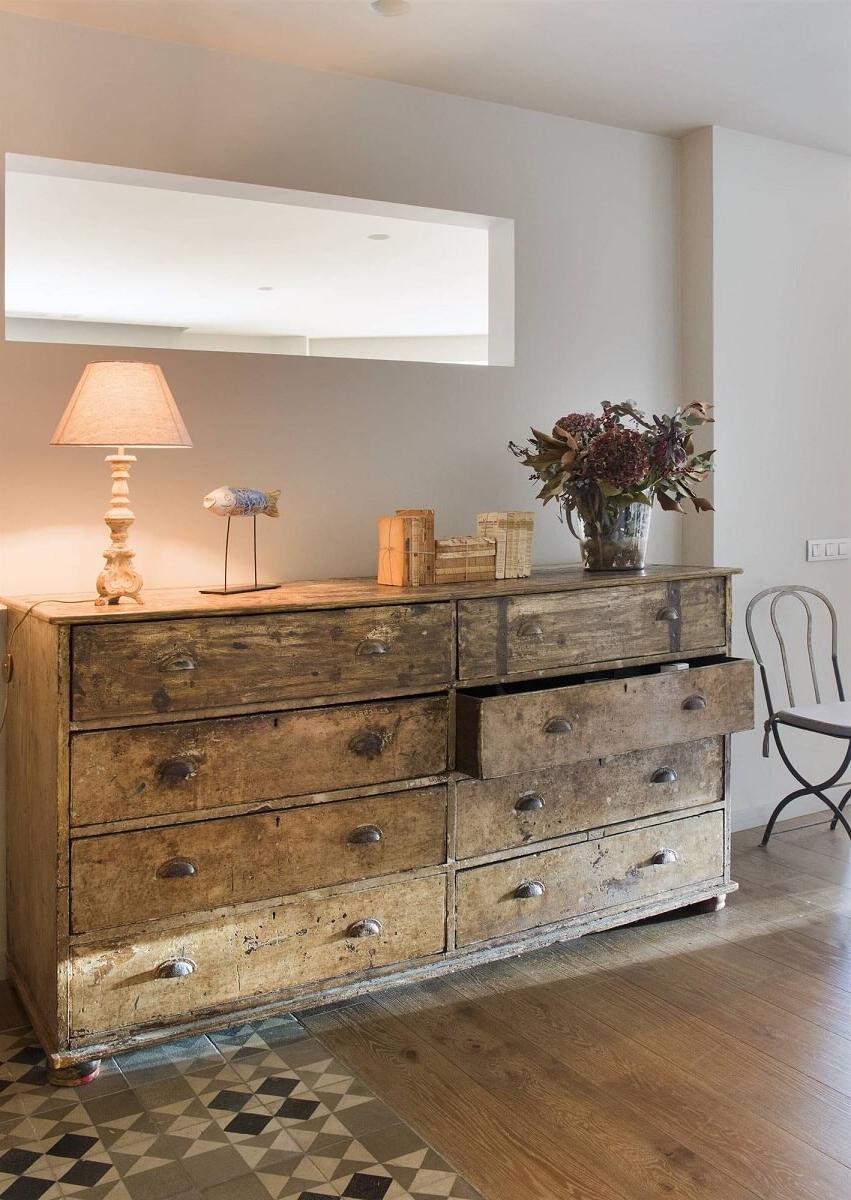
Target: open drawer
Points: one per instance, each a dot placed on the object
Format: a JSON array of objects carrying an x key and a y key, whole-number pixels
[{"x": 508, "y": 728}]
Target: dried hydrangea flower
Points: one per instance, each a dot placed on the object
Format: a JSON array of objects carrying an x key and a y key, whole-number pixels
[
  {"x": 619, "y": 457},
  {"x": 578, "y": 424}
]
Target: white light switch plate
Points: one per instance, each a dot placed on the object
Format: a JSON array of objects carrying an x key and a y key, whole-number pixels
[{"x": 827, "y": 549}]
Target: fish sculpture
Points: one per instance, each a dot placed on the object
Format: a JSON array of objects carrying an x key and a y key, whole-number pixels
[{"x": 242, "y": 502}]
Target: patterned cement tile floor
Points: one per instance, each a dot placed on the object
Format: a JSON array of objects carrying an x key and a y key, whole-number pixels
[{"x": 258, "y": 1111}]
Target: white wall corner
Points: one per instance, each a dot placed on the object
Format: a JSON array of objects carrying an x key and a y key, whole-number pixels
[{"x": 696, "y": 217}]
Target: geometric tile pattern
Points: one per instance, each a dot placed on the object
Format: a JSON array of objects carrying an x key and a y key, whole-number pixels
[{"x": 256, "y": 1112}]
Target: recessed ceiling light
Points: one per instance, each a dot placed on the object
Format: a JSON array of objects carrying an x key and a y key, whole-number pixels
[
  {"x": 267, "y": 287},
  {"x": 379, "y": 237},
  {"x": 390, "y": 8}
]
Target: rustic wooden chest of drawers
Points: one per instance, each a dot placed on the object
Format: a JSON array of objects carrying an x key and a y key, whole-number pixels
[{"x": 226, "y": 806}]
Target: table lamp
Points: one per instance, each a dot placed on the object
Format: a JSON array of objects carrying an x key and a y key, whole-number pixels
[{"x": 122, "y": 404}]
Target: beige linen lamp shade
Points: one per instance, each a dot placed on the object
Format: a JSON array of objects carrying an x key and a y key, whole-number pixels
[{"x": 122, "y": 404}]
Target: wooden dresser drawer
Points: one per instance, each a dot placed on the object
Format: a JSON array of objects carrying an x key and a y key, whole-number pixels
[
  {"x": 124, "y": 878},
  {"x": 190, "y": 766},
  {"x": 151, "y": 667},
  {"x": 537, "y": 889},
  {"x": 516, "y": 810},
  {"x": 504, "y": 730},
  {"x": 516, "y": 635},
  {"x": 240, "y": 959}
]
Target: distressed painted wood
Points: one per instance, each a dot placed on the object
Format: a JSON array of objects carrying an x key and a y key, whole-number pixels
[
  {"x": 342, "y": 593},
  {"x": 36, "y": 834},
  {"x": 122, "y": 983},
  {"x": 171, "y": 666},
  {"x": 243, "y": 810},
  {"x": 535, "y": 889},
  {"x": 200, "y": 765},
  {"x": 207, "y": 870},
  {"x": 125, "y": 878},
  {"x": 503, "y": 731},
  {"x": 518, "y": 810},
  {"x": 516, "y": 635}
]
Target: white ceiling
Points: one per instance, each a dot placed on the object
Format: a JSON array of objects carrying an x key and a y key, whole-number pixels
[
  {"x": 105, "y": 251},
  {"x": 779, "y": 68}
]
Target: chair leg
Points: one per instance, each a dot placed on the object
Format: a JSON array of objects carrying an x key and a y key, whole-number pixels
[
  {"x": 841, "y": 807},
  {"x": 811, "y": 789},
  {"x": 796, "y": 795},
  {"x": 838, "y": 814}
]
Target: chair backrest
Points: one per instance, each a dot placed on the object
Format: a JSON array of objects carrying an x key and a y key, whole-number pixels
[{"x": 801, "y": 594}]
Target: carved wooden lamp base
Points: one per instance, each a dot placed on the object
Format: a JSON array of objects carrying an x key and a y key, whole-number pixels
[{"x": 119, "y": 577}]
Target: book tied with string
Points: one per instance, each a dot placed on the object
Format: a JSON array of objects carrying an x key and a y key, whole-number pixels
[
  {"x": 406, "y": 548},
  {"x": 464, "y": 559}
]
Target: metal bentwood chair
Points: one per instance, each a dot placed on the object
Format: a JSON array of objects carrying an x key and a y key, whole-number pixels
[{"x": 831, "y": 718}]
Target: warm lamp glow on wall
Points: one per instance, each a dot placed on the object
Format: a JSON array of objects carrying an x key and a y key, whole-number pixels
[{"x": 122, "y": 404}]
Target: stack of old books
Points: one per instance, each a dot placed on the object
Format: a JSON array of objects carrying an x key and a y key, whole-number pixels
[
  {"x": 512, "y": 532},
  {"x": 409, "y": 555},
  {"x": 464, "y": 559}
]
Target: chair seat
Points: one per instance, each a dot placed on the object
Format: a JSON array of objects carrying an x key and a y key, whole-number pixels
[{"x": 834, "y": 719}]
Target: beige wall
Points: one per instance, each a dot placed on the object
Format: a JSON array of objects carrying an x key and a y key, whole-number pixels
[
  {"x": 596, "y": 292},
  {"x": 346, "y": 440}
]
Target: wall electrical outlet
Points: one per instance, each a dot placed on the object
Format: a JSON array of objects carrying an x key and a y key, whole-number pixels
[{"x": 828, "y": 549}]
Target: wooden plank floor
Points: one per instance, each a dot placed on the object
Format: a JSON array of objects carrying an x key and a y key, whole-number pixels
[{"x": 695, "y": 1057}]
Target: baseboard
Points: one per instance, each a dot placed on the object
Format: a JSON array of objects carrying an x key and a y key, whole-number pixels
[{"x": 755, "y": 816}]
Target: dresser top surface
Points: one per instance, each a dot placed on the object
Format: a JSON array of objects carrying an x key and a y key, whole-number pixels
[{"x": 303, "y": 595}]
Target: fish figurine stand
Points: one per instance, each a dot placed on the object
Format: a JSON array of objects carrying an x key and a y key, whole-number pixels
[{"x": 232, "y": 502}]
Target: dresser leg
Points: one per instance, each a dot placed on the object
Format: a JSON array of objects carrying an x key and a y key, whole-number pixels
[
  {"x": 75, "y": 1075},
  {"x": 713, "y": 904}
]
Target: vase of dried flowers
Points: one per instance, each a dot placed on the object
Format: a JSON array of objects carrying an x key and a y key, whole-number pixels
[
  {"x": 606, "y": 471},
  {"x": 615, "y": 541}
]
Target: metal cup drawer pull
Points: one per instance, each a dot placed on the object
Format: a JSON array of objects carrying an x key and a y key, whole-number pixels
[
  {"x": 530, "y": 890},
  {"x": 370, "y": 648},
  {"x": 367, "y": 745},
  {"x": 668, "y": 614},
  {"x": 176, "y": 968},
  {"x": 177, "y": 770},
  {"x": 177, "y": 868},
  {"x": 694, "y": 703},
  {"x": 558, "y": 725},
  {"x": 368, "y": 927},
  {"x": 664, "y": 775},
  {"x": 530, "y": 629},
  {"x": 179, "y": 662},
  {"x": 664, "y": 857},
  {"x": 530, "y": 802},
  {"x": 366, "y": 835}
]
